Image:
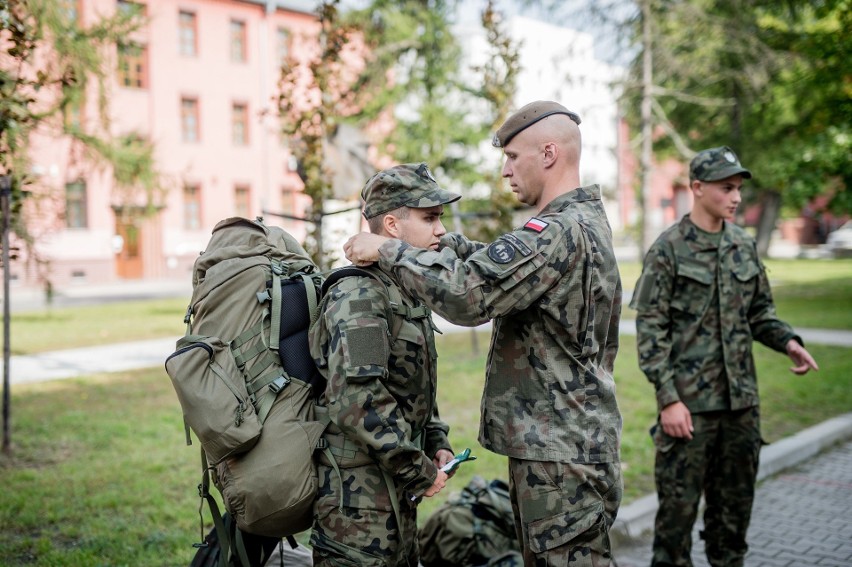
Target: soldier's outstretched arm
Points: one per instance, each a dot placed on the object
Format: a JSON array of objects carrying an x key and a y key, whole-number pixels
[{"x": 506, "y": 276}]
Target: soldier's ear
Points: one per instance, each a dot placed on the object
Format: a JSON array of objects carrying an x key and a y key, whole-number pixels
[
  {"x": 391, "y": 226},
  {"x": 697, "y": 188},
  {"x": 551, "y": 150}
]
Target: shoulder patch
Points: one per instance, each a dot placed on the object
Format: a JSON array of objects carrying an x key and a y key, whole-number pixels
[
  {"x": 501, "y": 252},
  {"x": 536, "y": 224},
  {"x": 517, "y": 243}
]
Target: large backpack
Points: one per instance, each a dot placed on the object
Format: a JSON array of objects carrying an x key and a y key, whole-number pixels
[
  {"x": 473, "y": 528},
  {"x": 246, "y": 382}
]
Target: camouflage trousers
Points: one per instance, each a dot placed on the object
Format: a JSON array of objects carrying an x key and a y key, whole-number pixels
[
  {"x": 360, "y": 529},
  {"x": 721, "y": 462},
  {"x": 563, "y": 511}
]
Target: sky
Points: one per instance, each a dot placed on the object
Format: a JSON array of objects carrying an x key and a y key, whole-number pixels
[{"x": 569, "y": 14}]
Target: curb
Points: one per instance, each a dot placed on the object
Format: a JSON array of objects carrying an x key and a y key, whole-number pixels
[{"x": 637, "y": 518}]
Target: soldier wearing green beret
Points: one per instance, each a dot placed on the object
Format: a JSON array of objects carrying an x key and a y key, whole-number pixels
[
  {"x": 374, "y": 343},
  {"x": 553, "y": 289},
  {"x": 702, "y": 298}
]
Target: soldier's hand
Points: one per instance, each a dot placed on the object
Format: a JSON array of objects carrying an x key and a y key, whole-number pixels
[
  {"x": 363, "y": 248},
  {"x": 442, "y": 457},
  {"x": 676, "y": 420},
  {"x": 440, "y": 482},
  {"x": 800, "y": 357}
]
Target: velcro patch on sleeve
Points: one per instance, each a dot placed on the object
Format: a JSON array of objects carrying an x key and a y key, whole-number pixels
[
  {"x": 517, "y": 243},
  {"x": 536, "y": 224},
  {"x": 367, "y": 346},
  {"x": 360, "y": 306}
]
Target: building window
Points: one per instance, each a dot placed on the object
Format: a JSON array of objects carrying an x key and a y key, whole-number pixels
[
  {"x": 242, "y": 201},
  {"x": 282, "y": 44},
  {"x": 239, "y": 124},
  {"x": 238, "y": 41},
  {"x": 133, "y": 65},
  {"x": 191, "y": 207},
  {"x": 189, "y": 120},
  {"x": 72, "y": 113},
  {"x": 75, "y": 205},
  {"x": 187, "y": 34},
  {"x": 130, "y": 8},
  {"x": 73, "y": 9}
]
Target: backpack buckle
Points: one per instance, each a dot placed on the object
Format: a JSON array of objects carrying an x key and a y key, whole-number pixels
[{"x": 278, "y": 384}]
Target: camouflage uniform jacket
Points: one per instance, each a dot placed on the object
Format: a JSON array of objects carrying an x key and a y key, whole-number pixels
[
  {"x": 554, "y": 292},
  {"x": 699, "y": 306},
  {"x": 381, "y": 395}
]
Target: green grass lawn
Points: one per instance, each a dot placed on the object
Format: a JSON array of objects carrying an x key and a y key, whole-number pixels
[
  {"x": 101, "y": 474},
  {"x": 72, "y": 327}
]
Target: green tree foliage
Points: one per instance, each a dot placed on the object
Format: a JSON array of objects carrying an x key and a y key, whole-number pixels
[
  {"x": 411, "y": 77},
  {"x": 770, "y": 79},
  {"x": 498, "y": 87},
  {"x": 416, "y": 56}
]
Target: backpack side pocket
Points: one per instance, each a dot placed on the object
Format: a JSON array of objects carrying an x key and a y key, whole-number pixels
[{"x": 212, "y": 393}]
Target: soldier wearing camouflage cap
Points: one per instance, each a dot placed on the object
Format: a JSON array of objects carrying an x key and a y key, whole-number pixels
[
  {"x": 702, "y": 298},
  {"x": 553, "y": 290},
  {"x": 375, "y": 345}
]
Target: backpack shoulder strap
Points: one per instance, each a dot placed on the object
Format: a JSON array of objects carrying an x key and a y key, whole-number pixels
[{"x": 399, "y": 308}]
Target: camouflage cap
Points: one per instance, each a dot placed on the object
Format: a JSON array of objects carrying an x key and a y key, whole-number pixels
[
  {"x": 526, "y": 117},
  {"x": 715, "y": 164},
  {"x": 410, "y": 185}
]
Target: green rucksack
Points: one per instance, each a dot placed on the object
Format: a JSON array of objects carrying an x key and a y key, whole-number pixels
[
  {"x": 473, "y": 528},
  {"x": 246, "y": 382}
]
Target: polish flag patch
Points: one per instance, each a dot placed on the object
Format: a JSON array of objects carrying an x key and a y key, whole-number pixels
[{"x": 536, "y": 225}]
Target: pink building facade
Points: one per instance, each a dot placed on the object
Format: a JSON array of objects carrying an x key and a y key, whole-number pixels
[{"x": 199, "y": 81}]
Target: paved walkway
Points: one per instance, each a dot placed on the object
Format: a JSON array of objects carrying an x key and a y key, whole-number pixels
[{"x": 801, "y": 517}]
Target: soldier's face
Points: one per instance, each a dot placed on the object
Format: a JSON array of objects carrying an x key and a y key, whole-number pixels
[
  {"x": 423, "y": 228},
  {"x": 523, "y": 168},
  {"x": 719, "y": 199}
]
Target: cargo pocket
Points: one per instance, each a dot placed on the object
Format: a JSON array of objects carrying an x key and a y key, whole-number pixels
[
  {"x": 213, "y": 397},
  {"x": 578, "y": 527},
  {"x": 338, "y": 553}
]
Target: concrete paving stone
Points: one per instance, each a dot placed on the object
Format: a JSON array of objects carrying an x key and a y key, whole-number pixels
[{"x": 768, "y": 562}]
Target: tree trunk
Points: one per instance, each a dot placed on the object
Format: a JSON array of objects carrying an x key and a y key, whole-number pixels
[
  {"x": 650, "y": 228},
  {"x": 769, "y": 212}
]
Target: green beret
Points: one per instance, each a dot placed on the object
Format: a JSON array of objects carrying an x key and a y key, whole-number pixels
[
  {"x": 526, "y": 117},
  {"x": 410, "y": 185},
  {"x": 715, "y": 164}
]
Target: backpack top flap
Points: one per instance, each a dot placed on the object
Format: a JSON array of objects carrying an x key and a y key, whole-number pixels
[{"x": 237, "y": 237}]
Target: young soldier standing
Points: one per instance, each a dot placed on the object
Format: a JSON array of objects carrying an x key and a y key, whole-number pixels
[
  {"x": 385, "y": 435},
  {"x": 554, "y": 292},
  {"x": 702, "y": 298}
]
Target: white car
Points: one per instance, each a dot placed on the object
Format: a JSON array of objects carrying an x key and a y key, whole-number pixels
[{"x": 839, "y": 242}]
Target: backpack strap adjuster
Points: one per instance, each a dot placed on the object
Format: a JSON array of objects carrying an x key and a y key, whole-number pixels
[{"x": 278, "y": 384}]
